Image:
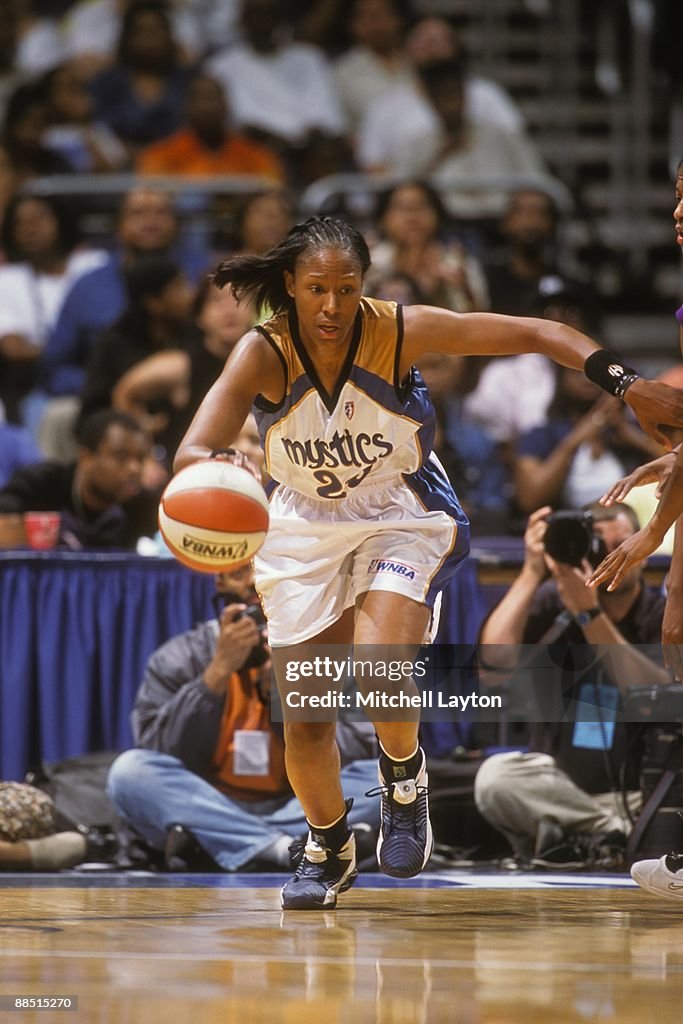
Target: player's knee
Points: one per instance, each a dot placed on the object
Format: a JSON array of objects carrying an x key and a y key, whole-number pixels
[{"x": 301, "y": 735}]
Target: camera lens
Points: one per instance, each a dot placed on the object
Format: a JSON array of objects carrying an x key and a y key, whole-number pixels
[
  {"x": 258, "y": 655},
  {"x": 569, "y": 536}
]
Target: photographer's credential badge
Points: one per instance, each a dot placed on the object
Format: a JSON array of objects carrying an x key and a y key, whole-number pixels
[{"x": 251, "y": 752}]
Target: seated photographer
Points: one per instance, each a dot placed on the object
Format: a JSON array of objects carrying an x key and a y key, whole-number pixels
[
  {"x": 558, "y": 803},
  {"x": 206, "y": 784}
]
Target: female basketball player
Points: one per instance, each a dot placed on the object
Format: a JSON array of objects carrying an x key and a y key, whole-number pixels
[
  {"x": 668, "y": 472},
  {"x": 662, "y": 876},
  {"x": 365, "y": 528}
]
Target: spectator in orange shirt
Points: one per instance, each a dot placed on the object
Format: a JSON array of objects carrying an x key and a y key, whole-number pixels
[{"x": 207, "y": 145}]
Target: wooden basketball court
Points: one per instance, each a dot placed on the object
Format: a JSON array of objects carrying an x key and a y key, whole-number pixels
[{"x": 458, "y": 948}]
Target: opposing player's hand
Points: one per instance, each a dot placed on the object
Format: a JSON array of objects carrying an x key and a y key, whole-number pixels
[
  {"x": 656, "y": 472},
  {"x": 672, "y": 634},
  {"x": 659, "y": 409},
  {"x": 631, "y": 552}
]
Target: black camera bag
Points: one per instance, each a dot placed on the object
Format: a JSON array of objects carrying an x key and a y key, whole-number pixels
[{"x": 658, "y": 829}]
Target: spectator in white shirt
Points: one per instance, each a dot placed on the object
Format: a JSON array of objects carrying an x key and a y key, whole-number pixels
[
  {"x": 91, "y": 28},
  {"x": 279, "y": 90},
  {"x": 377, "y": 61},
  {"x": 405, "y": 112},
  {"x": 465, "y": 160},
  {"x": 39, "y": 241},
  {"x": 31, "y": 42},
  {"x": 432, "y": 39}
]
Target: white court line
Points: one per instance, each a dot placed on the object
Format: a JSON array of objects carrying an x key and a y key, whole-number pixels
[{"x": 564, "y": 881}]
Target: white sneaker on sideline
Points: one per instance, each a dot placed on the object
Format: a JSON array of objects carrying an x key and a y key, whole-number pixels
[{"x": 663, "y": 877}]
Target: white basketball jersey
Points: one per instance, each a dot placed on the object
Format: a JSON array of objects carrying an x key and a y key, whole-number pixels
[{"x": 370, "y": 430}]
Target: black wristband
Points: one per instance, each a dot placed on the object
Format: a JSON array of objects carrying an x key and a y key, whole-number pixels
[
  {"x": 608, "y": 372},
  {"x": 222, "y": 451}
]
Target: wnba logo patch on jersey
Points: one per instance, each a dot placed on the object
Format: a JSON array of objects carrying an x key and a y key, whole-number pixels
[
  {"x": 349, "y": 409},
  {"x": 395, "y": 568}
]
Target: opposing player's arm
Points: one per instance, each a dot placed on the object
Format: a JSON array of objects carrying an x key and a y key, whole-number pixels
[
  {"x": 642, "y": 544},
  {"x": 670, "y": 505},
  {"x": 252, "y": 369}
]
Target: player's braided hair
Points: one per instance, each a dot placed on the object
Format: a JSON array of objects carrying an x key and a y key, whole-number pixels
[{"x": 260, "y": 279}]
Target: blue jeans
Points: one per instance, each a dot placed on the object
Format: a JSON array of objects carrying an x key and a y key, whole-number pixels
[{"x": 153, "y": 791}]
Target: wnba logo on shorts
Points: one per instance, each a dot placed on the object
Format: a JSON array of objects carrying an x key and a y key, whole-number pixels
[{"x": 397, "y": 568}]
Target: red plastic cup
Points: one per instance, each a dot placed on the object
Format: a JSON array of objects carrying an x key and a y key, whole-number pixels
[{"x": 42, "y": 529}]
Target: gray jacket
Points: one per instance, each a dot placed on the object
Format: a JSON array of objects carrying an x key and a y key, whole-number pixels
[{"x": 175, "y": 713}]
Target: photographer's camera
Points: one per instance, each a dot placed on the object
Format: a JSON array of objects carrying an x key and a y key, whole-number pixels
[
  {"x": 571, "y": 539},
  {"x": 259, "y": 653}
]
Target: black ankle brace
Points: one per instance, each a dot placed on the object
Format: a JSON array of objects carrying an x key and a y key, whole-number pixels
[
  {"x": 333, "y": 836},
  {"x": 395, "y": 771}
]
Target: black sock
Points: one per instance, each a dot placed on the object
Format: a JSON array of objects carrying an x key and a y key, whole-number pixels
[
  {"x": 333, "y": 836},
  {"x": 394, "y": 770}
]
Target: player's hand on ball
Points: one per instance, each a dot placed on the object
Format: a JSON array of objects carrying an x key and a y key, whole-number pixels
[{"x": 237, "y": 458}]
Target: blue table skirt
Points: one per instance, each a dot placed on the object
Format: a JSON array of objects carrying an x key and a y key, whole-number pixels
[
  {"x": 75, "y": 633},
  {"x": 76, "y": 630}
]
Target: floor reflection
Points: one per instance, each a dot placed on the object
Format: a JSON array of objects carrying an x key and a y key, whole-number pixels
[{"x": 392, "y": 956}]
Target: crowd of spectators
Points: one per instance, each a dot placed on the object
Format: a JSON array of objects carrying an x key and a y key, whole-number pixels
[{"x": 284, "y": 93}]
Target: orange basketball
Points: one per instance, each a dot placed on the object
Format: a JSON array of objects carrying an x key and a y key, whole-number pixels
[{"x": 213, "y": 515}]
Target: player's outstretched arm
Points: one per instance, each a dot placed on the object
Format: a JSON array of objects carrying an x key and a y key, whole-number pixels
[
  {"x": 430, "y": 329},
  {"x": 659, "y": 408},
  {"x": 647, "y": 540},
  {"x": 252, "y": 369},
  {"x": 657, "y": 472}
]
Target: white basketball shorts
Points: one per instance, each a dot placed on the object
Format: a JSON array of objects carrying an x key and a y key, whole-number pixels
[{"x": 406, "y": 535}]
